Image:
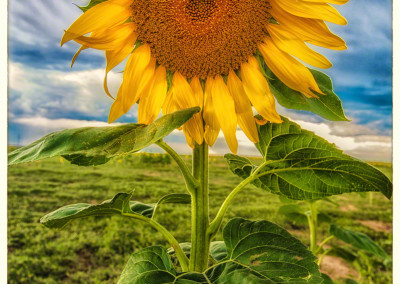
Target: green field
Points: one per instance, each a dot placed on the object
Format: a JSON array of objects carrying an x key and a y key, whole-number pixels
[{"x": 95, "y": 250}]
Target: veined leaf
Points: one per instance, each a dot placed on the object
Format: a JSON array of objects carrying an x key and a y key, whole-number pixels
[
  {"x": 328, "y": 106},
  {"x": 301, "y": 165},
  {"x": 118, "y": 205},
  {"x": 90, "y": 5},
  {"x": 150, "y": 265},
  {"x": 256, "y": 252},
  {"x": 96, "y": 145},
  {"x": 327, "y": 279},
  {"x": 358, "y": 240}
]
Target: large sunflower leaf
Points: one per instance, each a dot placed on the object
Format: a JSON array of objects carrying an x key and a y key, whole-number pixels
[
  {"x": 358, "y": 240},
  {"x": 301, "y": 165},
  {"x": 96, "y": 145},
  {"x": 328, "y": 106},
  {"x": 253, "y": 252}
]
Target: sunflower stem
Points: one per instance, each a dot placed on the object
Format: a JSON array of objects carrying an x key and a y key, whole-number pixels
[
  {"x": 312, "y": 219},
  {"x": 200, "y": 211}
]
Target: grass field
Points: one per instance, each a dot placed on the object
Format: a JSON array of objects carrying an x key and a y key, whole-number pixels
[{"x": 95, "y": 250}]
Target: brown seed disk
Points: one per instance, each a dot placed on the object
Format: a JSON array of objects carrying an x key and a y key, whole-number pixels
[{"x": 201, "y": 37}]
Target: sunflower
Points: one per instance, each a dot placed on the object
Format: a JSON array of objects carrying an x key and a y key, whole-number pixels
[{"x": 186, "y": 53}]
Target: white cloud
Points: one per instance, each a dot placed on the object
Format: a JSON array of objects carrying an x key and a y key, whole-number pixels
[{"x": 365, "y": 147}]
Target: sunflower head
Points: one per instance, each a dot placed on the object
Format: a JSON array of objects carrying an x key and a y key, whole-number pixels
[{"x": 207, "y": 53}]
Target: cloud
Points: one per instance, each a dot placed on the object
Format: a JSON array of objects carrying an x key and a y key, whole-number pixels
[{"x": 367, "y": 147}]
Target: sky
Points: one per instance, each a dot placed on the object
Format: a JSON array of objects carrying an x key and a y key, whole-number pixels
[{"x": 46, "y": 95}]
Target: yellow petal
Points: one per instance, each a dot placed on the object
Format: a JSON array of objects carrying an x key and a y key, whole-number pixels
[
  {"x": 185, "y": 98},
  {"x": 290, "y": 71},
  {"x": 212, "y": 127},
  {"x": 224, "y": 107},
  {"x": 76, "y": 54},
  {"x": 197, "y": 91},
  {"x": 313, "y": 10},
  {"x": 337, "y": 2},
  {"x": 257, "y": 90},
  {"x": 153, "y": 97},
  {"x": 136, "y": 65},
  {"x": 104, "y": 15},
  {"x": 110, "y": 39},
  {"x": 189, "y": 139},
  {"x": 290, "y": 43},
  {"x": 116, "y": 110},
  {"x": 243, "y": 108},
  {"x": 170, "y": 105},
  {"x": 313, "y": 31}
]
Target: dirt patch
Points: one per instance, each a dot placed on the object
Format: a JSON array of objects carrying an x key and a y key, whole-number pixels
[
  {"x": 337, "y": 268},
  {"x": 348, "y": 207},
  {"x": 377, "y": 225}
]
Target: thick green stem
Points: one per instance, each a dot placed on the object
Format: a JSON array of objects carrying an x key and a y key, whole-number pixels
[
  {"x": 200, "y": 214},
  {"x": 216, "y": 223},
  {"x": 183, "y": 260},
  {"x": 191, "y": 182},
  {"x": 312, "y": 218}
]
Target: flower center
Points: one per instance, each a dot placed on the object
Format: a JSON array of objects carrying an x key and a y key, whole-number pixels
[
  {"x": 201, "y": 37},
  {"x": 200, "y": 11}
]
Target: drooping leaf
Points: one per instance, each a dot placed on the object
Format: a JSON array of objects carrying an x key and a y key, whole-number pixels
[
  {"x": 358, "y": 240},
  {"x": 328, "y": 106},
  {"x": 118, "y": 205},
  {"x": 180, "y": 198},
  {"x": 93, "y": 145},
  {"x": 301, "y": 165},
  {"x": 253, "y": 252},
  {"x": 90, "y": 5}
]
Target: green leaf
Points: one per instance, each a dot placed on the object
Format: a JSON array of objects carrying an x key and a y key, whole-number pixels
[
  {"x": 180, "y": 198},
  {"x": 358, "y": 240},
  {"x": 90, "y": 5},
  {"x": 301, "y": 165},
  {"x": 217, "y": 250},
  {"x": 83, "y": 160},
  {"x": 343, "y": 253},
  {"x": 150, "y": 265},
  {"x": 294, "y": 213},
  {"x": 327, "y": 279},
  {"x": 263, "y": 251},
  {"x": 93, "y": 145},
  {"x": 252, "y": 252},
  {"x": 118, "y": 205},
  {"x": 328, "y": 106}
]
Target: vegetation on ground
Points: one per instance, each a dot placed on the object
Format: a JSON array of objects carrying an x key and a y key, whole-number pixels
[{"x": 96, "y": 251}]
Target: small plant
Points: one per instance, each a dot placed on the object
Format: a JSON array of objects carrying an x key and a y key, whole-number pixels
[{"x": 361, "y": 252}]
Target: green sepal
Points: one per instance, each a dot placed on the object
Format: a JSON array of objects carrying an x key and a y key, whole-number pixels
[
  {"x": 254, "y": 252},
  {"x": 91, "y": 4},
  {"x": 327, "y": 106},
  {"x": 301, "y": 165},
  {"x": 358, "y": 240},
  {"x": 96, "y": 145}
]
